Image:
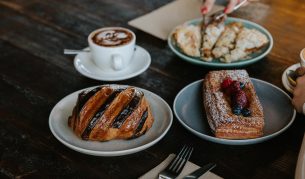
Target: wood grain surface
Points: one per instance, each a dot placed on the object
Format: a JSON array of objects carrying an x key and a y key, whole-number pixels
[{"x": 35, "y": 75}]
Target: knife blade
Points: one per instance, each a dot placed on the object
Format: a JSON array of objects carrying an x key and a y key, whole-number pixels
[{"x": 200, "y": 171}]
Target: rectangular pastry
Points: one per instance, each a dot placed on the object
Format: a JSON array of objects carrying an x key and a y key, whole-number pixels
[{"x": 232, "y": 107}]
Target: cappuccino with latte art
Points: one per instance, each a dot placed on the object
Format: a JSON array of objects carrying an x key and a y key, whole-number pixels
[
  {"x": 112, "y": 48},
  {"x": 112, "y": 37}
]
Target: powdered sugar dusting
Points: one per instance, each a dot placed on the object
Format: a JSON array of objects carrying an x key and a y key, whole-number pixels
[{"x": 218, "y": 108}]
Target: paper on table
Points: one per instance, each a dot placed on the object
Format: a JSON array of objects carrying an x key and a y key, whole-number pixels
[
  {"x": 189, "y": 167},
  {"x": 161, "y": 22}
]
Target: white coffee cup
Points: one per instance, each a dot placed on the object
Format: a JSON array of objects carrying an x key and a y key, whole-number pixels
[
  {"x": 302, "y": 56},
  {"x": 110, "y": 54}
]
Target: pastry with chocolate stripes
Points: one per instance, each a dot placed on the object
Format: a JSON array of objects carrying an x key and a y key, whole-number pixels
[{"x": 111, "y": 112}]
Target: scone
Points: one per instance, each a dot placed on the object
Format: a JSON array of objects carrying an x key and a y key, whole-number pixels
[
  {"x": 226, "y": 41},
  {"x": 211, "y": 34},
  {"x": 111, "y": 112},
  {"x": 188, "y": 39},
  {"x": 247, "y": 41},
  {"x": 232, "y": 107}
]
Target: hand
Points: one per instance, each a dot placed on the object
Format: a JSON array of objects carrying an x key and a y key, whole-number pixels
[
  {"x": 299, "y": 94},
  {"x": 208, "y": 4}
]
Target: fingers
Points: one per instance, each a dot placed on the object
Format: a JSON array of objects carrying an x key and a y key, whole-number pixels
[
  {"x": 296, "y": 105},
  {"x": 298, "y": 94},
  {"x": 295, "y": 100},
  {"x": 207, "y": 6},
  {"x": 301, "y": 80},
  {"x": 230, "y": 6}
]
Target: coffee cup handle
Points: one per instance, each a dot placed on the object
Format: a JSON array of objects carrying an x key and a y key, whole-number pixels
[{"x": 117, "y": 62}]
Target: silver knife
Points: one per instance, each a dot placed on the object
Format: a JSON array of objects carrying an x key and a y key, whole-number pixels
[{"x": 200, "y": 171}]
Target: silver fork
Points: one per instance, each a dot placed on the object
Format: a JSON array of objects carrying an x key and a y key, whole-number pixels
[
  {"x": 218, "y": 14},
  {"x": 235, "y": 8},
  {"x": 177, "y": 164}
]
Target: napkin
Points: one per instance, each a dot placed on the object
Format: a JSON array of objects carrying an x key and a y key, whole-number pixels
[
  {"x": 189, "y": 168},
  {"x": 162, "y": 21}
]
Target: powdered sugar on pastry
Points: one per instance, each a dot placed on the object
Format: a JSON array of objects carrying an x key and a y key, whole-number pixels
[
  {"x": 226, "y": 41},
  {"x": 211, "y": 34},
  {"x": 188, "y": 38},
  {"x": 223, "y": 122},
  {"x": 248, "y": 41}
]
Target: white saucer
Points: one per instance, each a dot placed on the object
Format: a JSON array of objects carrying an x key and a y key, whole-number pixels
[
  {"x": 140, "y": 62},
  {"x": 285, "y": 81}
]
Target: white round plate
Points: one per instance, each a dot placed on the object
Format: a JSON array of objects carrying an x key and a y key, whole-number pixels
[
  {"x": 254, "y": 57},
  {"x": 285, "y": 81},
  {"x": 278, "y": 112},
  {"x": 58, "y": 123},
  {"x": 139, "y": 63}
]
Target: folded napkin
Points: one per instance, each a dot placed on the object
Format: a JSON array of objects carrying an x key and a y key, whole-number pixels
[
  {"x": 161, "y": 21},
  {"x": 189, "y": 168}
]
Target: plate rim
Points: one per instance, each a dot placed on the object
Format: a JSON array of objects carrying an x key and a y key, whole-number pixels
[
  {"x": 123, "y": 77},
  {"x": 223, "y": 65},
  {"x": 230, "y": 141},
  {"x": 285, "y": 81},
  {"x": 117, "y": 152}
]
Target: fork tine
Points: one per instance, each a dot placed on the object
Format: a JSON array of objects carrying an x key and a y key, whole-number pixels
[
  {"x": 173, "y": 163},
  {"x": 185, "y": 159},
  {"x": 177, "y": 164},
  {"x": 180, "y": 158}
]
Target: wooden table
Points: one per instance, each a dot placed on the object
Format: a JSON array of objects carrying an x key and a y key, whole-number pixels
[{"x": 35, "y": 75}]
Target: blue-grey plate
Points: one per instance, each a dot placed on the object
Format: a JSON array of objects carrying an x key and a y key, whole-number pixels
[
  {"x": 278, "y": 111},
  {"x": 254, "y": 57}
]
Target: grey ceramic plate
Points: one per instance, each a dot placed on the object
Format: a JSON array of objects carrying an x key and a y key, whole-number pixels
[
  {"x": 254, "y": 57},
  {"x": 58, "y": 123},
  {"x": 278, "y": 111}
]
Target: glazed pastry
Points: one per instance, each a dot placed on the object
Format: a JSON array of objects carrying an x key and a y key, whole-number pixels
[
  {"x": 232, "y": 107},
  {"x": 111, "y": 112},
  {"x": 188, "y": 38},
  {"x": 247, "y": 41},
  {"x": 211, "y": 34},
  {"x": 226, "y": 41}
]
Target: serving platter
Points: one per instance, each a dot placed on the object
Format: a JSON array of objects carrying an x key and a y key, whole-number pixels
[
  {"x": 278, "y": 111},
  {"x": 252, "y": 58}
]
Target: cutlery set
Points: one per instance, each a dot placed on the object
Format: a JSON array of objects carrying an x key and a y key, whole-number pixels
[
  {"x": 175, "y": 167},
  {"x": 219, "y": 14}
]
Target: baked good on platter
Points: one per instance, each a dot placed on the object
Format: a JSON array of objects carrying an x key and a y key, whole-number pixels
[
  {"x": 212, "y": 32},
  {"x": 232, "y": 107},
  {"x": 188, "y": 39},
  {"x": 247, "y": 42},
  {"x": 216, "y": 40},
  {"x": 111, "y": 112},
  {"x": 226, "y": 41}
]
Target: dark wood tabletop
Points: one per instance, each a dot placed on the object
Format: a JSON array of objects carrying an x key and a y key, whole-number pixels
[{"x": 35, "y": 75}]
